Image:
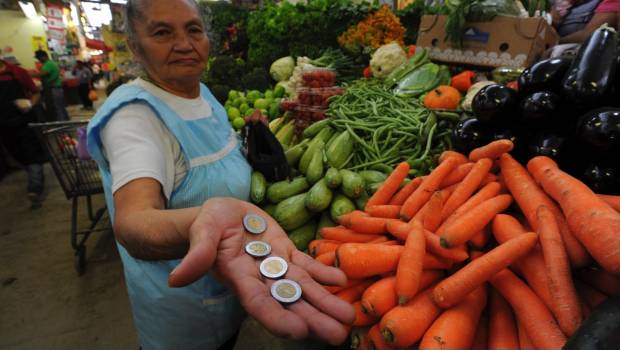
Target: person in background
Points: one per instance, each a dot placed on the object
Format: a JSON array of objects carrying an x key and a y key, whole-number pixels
[
  {"x": 177, "y": 188},
  {"x": 18, "y": 96},
  {"x": 580, "y": 21},
  {"x": 52, "y": 87},
  {"x": 85, "y": 78}
]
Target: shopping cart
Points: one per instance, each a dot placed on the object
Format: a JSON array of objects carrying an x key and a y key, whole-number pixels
[{"x": 78, "y": 175}]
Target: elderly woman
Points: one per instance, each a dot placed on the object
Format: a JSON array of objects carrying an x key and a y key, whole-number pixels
[{"x": 176, "y": 186}]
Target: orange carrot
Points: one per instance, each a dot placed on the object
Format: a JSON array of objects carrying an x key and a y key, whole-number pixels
[
  {"x": 565, "y": 303},
  {"x": 398, "y": 229},
  {"x": 401, "y": 196},
  {"x": 345, "y": 219},
  {"x": 430, "y": 277},
  {"x": 467, "y": 187},
  {"x": 590, "y": 295},
  {"x": 524, "y": 340},
  {"x": 379, "y": 239},
  {"x": 327, "y": 258},
  {"x": 409, "y": 270},
  {"x": 453, "y": 289},
  {"x": 432, "y": 218},
  {"x": 467, "y": 225},
  {"x": 362, "y": 319},
  {"x": 380, "y": 297},
  {"x": 601, "y": 280},
  {"x": 376, "y": 339},
  {"x": 506, "y": 227},
  {"x": 433, "y": 245},
  {"x": 456, "y": 327},
  {"x": 613, "y": 201},
  {"x": 492, "y": 150},
  {"x": 342, "y": 234},
  {"x": 460, "y": 158},
  {"x": 384, "y": 211},
  {"x": 480, "y": 239},
  {"x": 390, "y": 242},
  {"x": 350, "y": 283},
  {"x": 432, "y": 262},
  {"x": 320, "y": 246},
  {"x": 482, "y": 331},
  {"x": 457, "y": 175},
  {"x": 529, "y": 196},
  {"x": 429, "y": 185},
  {"x": 405, "y": 324},
  {"x": 442, "y": 195},
  {"x": 487, "y": 192},
  {"x": 488, "y": 179},
  {"x": 503, "y": 332},
  {"x": 593, "y": 221},
  {"x": 390, "y": 186},
  {"x": 359, "y": 338},
  {"x": 368, "y": 225},
  {"x": 353, "y": 294},
  {"x": 359, "y": 260},
  {"x": 537, "y": 320}
]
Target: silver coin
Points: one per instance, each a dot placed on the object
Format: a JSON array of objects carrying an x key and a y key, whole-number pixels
[
  {"x": 286, "y": 291},
  {"x": 273, "y": 267},
  {"x": 258, "y": 249},
  {"x": 254, "y": 224}
]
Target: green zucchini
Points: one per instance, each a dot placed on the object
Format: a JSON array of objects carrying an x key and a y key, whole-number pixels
[
  {"x": 315, "y": 169},
  {"x": 282, "y": 190},
  {"x": 333, "y": 178},
  {"x": 324, "y": 221},
  {"x": 319, "y": 197},
  {"x": 340, "y": 149},
  {"x": 384, "y": 168},
  {"x": 304, "y": 162},
  {"x": 325, "y": 134},
  {"x": 360, "y": 202},
  {"x": 258, "y": 187},
  {"x": 294, "y": 153},
  {"x": 270, "y": 209},
  {"x": 372, "y": 176},
  {"x": 303, "y": 235},
  {"x": 286, "y": 133},
  {"x": 315, "y": 128},
  {"x": 340, "y": 205},
  {"x": 292, "y": 213},
  {"x": 353, "y": 184}
]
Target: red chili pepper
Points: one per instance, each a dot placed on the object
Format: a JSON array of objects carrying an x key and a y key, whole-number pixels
[
  {"x": 463, "y": 80},
  {"x": 367, "y": 72},
  {"x": 513, "y": 85},
  {"x": 410, "y": 51}
]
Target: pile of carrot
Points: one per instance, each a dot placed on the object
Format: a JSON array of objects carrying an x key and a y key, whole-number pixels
[{"x": 480, "y": 253}]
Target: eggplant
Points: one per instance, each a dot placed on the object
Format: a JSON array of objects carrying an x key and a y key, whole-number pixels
[
  {"x": 600, "y": 178},
  {"x": 590, "y": 77},
  {"x": 601, "y": 330},
  {"x": 544, "y": 75},
  {"x": 518, "y": 138},
  {"x": 469, "y": 134},
  {"x": 542, "y": 106},
  {"x": 548, "y": 144},
  {"x": 495, "y": 104},
  {"x": 599, "y": 132}
]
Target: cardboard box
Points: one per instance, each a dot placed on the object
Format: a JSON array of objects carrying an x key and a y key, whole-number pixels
[{"x": 504, "y": 41}]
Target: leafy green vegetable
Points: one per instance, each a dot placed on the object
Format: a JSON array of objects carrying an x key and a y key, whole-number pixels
[{"x": 419, "y": 81}]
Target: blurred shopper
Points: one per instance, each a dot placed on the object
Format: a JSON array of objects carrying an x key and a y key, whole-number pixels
[
  {"x": 18, "y": 95},
  {"x": 576, "y": 20},
  {"x": 52, "y": 87},
  {"x": 85, "y": 78}
]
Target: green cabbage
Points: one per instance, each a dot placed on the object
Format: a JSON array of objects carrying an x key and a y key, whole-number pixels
[{"x": 282, "y": 68}]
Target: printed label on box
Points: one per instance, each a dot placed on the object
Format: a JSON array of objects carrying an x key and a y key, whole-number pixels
[{"x": 473, "y": 34}]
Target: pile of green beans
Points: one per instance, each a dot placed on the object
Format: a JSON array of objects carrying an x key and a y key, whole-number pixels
[{"x": 388, "y": 129}]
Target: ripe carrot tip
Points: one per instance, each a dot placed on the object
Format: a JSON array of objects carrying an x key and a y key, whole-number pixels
[
  {"x": 444, "y": 243},
  {"x": 402, "y": 300}
]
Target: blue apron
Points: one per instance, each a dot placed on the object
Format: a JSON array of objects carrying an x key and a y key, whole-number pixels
[{"x": 204, "y": 314}]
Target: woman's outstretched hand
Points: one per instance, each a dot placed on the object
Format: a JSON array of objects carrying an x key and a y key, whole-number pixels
[{"x": 217, "y": 241}]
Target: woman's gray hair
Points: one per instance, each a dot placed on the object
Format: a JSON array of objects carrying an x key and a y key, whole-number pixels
[{"x": 134, "y": 11}]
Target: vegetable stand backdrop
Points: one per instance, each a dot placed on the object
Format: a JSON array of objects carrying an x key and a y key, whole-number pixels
[{"x": 469, "y": 207}]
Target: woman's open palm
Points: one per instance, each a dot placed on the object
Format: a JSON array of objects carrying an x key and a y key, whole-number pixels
[{"x": 217, "y": 242}]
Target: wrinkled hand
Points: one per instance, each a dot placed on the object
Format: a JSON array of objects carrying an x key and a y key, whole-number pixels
[
  {"x": 24, "y": 106},
  {"x": 217, "y": 241}
]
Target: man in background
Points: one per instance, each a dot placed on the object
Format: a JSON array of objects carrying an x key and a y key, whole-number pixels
[{"x": 52, "y": 87}]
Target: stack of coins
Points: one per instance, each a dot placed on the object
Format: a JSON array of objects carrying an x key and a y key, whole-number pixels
[{"x": 283, "y": 290}]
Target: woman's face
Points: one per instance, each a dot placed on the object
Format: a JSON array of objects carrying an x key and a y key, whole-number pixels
[{"x": 171, "y": 41}]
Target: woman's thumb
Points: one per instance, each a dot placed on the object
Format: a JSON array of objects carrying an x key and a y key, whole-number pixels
[{"x": 199, "y": 259}]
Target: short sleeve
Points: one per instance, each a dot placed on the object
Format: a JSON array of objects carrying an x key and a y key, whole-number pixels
[
  {"x": 138, "y": 145},
  {"x": 608, "y": 6}
]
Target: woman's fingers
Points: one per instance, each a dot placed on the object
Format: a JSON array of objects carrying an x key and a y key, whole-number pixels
[
  {"x": 258, "y": 302},
  {"x": 323, "y": 274},
  {"x": 199, "y": 259},
  {"x": 321, "y": 325}
]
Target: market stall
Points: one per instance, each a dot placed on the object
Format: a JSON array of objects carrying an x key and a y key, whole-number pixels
[{"x": 464, "y": 181}]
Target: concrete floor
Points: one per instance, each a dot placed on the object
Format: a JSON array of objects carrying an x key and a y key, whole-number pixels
[{"x": 44, "y": 304}]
